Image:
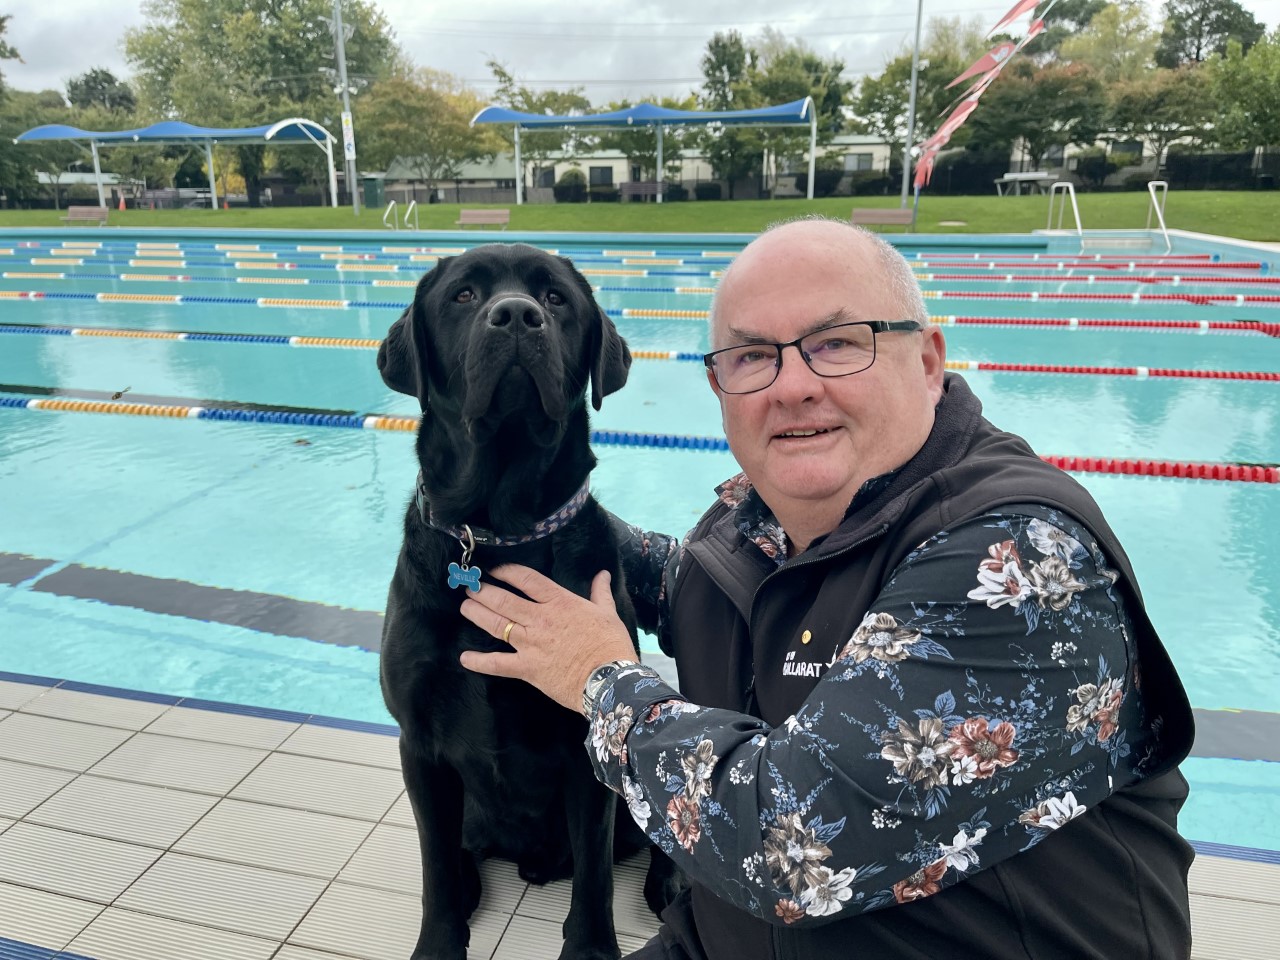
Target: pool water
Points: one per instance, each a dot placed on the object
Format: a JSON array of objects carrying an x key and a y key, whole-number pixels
[{"x": 101, "y": 514}]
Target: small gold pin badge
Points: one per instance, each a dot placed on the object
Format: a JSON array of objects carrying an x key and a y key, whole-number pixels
[{"x": 806, "y": 637}]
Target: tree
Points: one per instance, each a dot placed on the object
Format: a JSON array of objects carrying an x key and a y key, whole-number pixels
[
  {"x": 100, "y": 88},
  {"x": 1117, "y": 45},
  {"x": 246, "y": 62},
  {"x": 423, "y": 120},
  {"x": 1162, "y": 106},
  {"x": 1194, "y": 30},
  {"x": 1063, "y": 20},
  {"x": 1055, "y": 105},
  {"x": 19, "y": 164},
  {"x": 537, "y": 148},
  {"x": 1244, "y": 86},
  {"x": 727, "y": 66}
]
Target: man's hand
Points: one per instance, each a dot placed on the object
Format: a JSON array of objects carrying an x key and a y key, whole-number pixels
[{"x": 558, "y": 637}]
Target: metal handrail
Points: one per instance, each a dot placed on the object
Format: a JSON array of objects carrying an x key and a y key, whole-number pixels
[
  {"x": 1067, "y": 189},
  {"x": 412, "y": 208},
  {"x": 1158, "y": 207},
  {"x": 390, "y": 212}
]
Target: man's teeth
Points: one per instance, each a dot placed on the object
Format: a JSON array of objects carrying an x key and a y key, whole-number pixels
[{"x": 802, "y": 433}]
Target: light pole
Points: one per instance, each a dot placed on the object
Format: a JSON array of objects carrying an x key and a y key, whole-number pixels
[
  {"x": 911, "y": 107},
  {"x": 348, "y": 129}
]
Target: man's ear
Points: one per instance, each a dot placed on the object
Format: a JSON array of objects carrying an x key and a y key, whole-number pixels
[
  {"x": 402, "y": 356},
  {"x": 611, "y": 360}
]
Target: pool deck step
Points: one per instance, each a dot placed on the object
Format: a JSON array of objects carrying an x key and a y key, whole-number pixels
[{"x": 140, "y": 831}]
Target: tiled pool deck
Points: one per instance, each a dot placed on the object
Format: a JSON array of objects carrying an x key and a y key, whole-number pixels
[{"x": 135, "y": 827}]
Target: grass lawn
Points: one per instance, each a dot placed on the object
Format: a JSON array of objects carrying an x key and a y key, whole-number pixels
[{"x": 1246, "y": 215}]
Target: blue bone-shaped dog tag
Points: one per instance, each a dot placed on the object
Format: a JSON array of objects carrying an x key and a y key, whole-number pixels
[{"x": 468, "y": 576}]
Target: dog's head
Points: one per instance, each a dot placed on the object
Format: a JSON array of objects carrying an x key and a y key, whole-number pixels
[{"x": 504, "y": 331}]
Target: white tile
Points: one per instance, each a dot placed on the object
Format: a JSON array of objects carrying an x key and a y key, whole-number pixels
[
  {"x": 105, "y": 711},
  {"x": 13, "y": 695},
  {"x": 124, "y": 935},
  {"x": 529, "y": 939},
  {"x": 379, "y": 925},
  {"x": 1232, "y": 929},
  {"x": 351, "y": 746},
  {"x": 4, "y": 713},
  {"x": 119, "y": 810},
  {"x": 50, "y": 742},
  {"x": 248, "y": 900},
  {"x": 185, "y": 764},
  {"x": 290, "y": 952},
  {"x": 631, "y": 915},
  {"x": 389, "y": 858},
  {"x": 23, "y": 787},
  {"x": 71, "y": 864},
  {"x": 1237, "y": 879},
  {"x": 6, "y": 823},
  {"x": 233, "y": 728},
  {"x": 276, "y": 838},
  {"x": 401, "y": 812},
  {"x": 324, "y": 786},
  {"x": 45, "y": 919}
]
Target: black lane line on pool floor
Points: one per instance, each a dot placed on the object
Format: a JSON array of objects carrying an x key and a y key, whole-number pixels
[
  {"x": 262, "y": 612},
  {"x": 1220, "y": 734}
]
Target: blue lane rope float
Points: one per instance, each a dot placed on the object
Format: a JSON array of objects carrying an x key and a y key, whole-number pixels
[{"x": 1242, "y": 472}]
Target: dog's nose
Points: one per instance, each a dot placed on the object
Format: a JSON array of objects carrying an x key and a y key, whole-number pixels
[{"x": 515, "y": 310}]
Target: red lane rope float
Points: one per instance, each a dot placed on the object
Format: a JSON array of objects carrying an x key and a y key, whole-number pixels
[
  {"x": 1196, "y": 298},
  {"x": 995, "y": 367},
  {"x": 1235, "y": 326},
  {"x": 1175, "y": 279},
  {"x": 1080, "y": 257},
  {"x": 1238, "y": 472}
]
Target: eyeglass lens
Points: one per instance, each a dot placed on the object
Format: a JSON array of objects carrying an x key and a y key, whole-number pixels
[{"x": 833, "y": 352}]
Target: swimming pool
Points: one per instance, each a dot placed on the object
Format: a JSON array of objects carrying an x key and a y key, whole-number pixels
[{"x": 247, "y": 561}]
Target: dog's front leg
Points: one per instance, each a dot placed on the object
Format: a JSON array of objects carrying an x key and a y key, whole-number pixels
[
  {"x": 588, "y": 929},
  {"x": 448, "y": 872}
]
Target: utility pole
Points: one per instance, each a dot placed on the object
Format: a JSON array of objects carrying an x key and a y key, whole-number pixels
[
  {"x": 911, "y": 107},
  {"x": 348, "y": 129}
]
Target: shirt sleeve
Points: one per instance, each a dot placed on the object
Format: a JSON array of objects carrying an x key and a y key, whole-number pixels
[
  {"x": 985, "y": 700},
  {"x": 649, "y": 563}
]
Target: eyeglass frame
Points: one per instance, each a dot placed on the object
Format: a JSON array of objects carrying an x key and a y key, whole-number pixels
[{"x": 876, "y": 326}]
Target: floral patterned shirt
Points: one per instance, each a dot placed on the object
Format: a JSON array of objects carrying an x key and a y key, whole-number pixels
[{"x": 987, "y": 698}]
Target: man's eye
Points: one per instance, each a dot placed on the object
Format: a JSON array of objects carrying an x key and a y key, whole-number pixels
[
  {"x": 464, "y": 296},
  {"x": 554, "y": 298}
]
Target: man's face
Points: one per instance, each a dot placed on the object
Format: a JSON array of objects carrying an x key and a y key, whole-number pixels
[{"x": 784, "y": 286}]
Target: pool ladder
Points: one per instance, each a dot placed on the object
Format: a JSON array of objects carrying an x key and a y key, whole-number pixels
[
  {"x": 1058, "y": 194},
  {"x": 1157, "y": 206},
  {"x": 389, "y": 215}
]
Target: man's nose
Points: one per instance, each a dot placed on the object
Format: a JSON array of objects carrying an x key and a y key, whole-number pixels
[{"x": 795, "y": 381}]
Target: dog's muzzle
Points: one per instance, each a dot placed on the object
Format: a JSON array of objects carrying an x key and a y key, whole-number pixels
[{"x": 516, "y": 310}]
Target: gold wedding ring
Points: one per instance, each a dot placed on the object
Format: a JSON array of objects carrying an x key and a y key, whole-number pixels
[{"x": 506, "y": 631}]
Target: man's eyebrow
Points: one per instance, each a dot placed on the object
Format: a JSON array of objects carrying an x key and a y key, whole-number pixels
[{"x": 739, "y": 335}]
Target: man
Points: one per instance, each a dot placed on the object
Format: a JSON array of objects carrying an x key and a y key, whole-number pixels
[{"x": 923, "y": 713}]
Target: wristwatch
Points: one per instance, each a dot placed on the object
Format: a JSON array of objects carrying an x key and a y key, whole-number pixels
[{"x": 596, "y": 681}]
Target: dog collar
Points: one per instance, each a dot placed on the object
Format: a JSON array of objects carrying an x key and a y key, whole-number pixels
[{"x": 469, "y": 536}]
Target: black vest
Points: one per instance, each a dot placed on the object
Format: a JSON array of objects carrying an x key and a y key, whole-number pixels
[{"x": 1110, "y": 884}]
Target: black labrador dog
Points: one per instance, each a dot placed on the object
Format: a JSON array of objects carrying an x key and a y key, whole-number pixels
[{"x": 498, "y": 346}]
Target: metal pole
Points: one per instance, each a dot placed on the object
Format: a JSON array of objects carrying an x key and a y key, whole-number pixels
[
  {"x": 660, "y": 178},
  {"x": 519, "y": 171},
  {"x": 813, "y": 149},
  {"x": 213, "y": 186},
  {"x": 333, "y": 174},
  {"x": 911, "y": 107},
  {"x": 97, "y": 172},
  {"x": 348, "y": 128}
]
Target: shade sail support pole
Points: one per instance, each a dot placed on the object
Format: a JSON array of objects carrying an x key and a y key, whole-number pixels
[
  {"x": 519, "y": 170},
  {"x": 97, "y": 173},
  {"x": 213, "y": 186}
]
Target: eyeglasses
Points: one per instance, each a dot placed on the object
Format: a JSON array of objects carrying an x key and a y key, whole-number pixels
[{"x": 836, "y": 351}]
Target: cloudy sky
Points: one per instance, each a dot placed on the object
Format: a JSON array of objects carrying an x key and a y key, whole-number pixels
[{"x": 650, "y": 48}]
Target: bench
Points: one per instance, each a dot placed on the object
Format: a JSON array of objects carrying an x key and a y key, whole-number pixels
[
  {"x": 86, "y": 215},
  {"x": 1011, "y": 183},
  {"x": 645, "y": 188},
  {"x": 883, "y": 216},
  {"x": 484, "y": 218}
]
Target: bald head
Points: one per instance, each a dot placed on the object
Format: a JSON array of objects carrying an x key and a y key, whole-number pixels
[{"x": 848, "y": 254}]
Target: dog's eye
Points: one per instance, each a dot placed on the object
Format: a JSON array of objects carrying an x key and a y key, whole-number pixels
[
  {"x": 554, "y": 298},
  {"x": 464, "y": 296}
]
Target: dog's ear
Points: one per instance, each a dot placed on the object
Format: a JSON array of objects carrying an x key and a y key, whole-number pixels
[
  {"x": 607, "y": 351},
  {"x": 402, "y": 357},
  {"x": 611, "y": 360}
]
